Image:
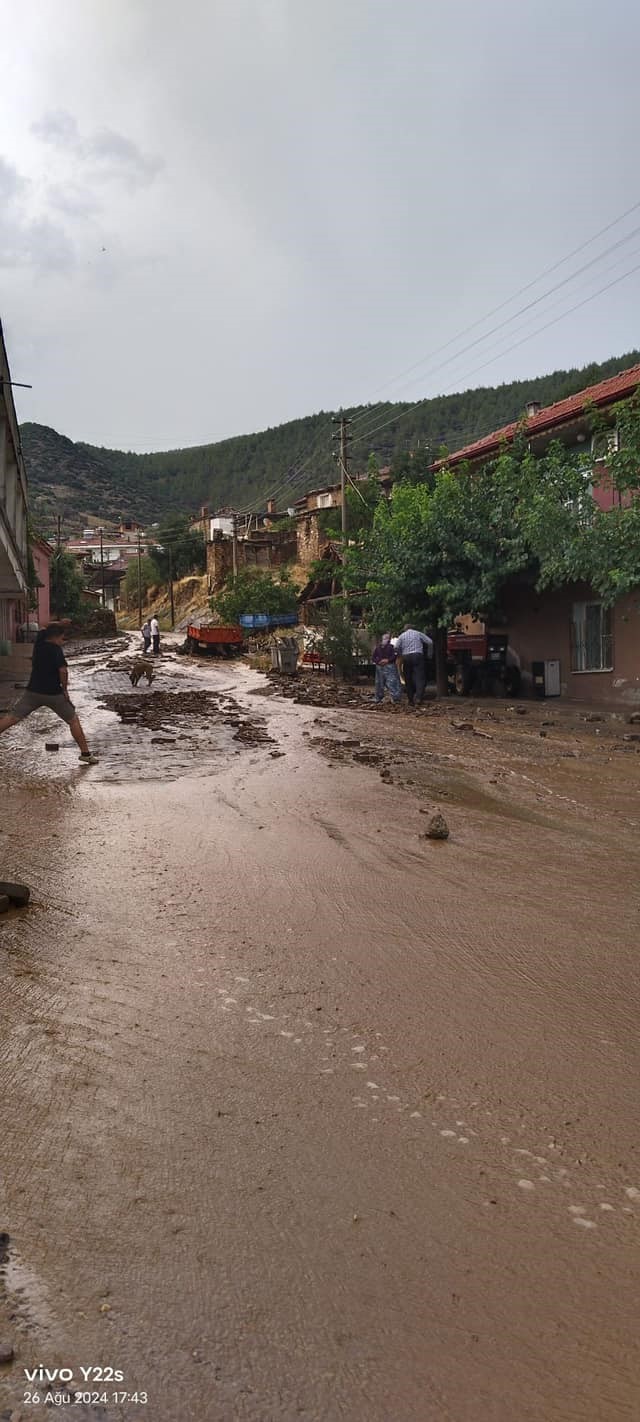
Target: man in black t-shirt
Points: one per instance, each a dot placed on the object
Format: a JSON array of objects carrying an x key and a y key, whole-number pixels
[{"x": 47, "y": 686}]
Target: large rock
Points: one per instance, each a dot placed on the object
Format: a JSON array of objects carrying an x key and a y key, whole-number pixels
[
  {"x": 437, "y": 827},
  {"x": 18, "y": 893}
]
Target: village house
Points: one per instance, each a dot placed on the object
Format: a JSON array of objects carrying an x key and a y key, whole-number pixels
[
  {"x": 14, "y": 595},
  {"x": 597, "y": 648}
]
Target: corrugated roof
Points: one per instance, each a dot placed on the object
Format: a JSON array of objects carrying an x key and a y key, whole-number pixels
[{"x": 607, "y": 392}]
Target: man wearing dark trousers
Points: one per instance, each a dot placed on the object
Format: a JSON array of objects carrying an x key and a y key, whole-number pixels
[{"x": 412, "y": 645}]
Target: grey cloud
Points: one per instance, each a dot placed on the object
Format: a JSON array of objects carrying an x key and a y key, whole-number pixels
[
  {"x": 24, "y": 241},
  {"x": 122, "y": 158},
  {"x": 107, "y": 154},
  {"x": 58, "y": 128},
  {"x": 72, "y": 201}
]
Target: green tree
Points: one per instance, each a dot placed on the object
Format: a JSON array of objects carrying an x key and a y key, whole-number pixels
[
  {"x": 180, "y": 550},
  {"x": 67, "y": 586},
  {"x": 253, "y": 591},
  {"x": 340, "y": 642},
  {"x": 150, "y": 577},
  {"x": 437, "y": 552}
]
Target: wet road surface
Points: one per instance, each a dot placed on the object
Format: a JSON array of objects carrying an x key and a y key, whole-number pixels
[{"x": 305, "y": 1116}]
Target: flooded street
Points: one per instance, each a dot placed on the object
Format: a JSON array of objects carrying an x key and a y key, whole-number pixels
[{"x": 305, "y": 1116}]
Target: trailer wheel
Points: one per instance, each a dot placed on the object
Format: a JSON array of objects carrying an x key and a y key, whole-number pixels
[{"x": 462, "y": 680}]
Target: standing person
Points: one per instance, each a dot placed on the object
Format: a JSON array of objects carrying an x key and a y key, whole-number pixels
[
  {"x": 47, "y": 686},
  {"x": 384, "y": 661},
  {"x": 412, "y": 645},
  {"x": 146, "y": 637},
  {"x": 155, "y": 635}
]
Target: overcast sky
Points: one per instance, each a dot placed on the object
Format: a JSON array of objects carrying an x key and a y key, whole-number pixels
[{"x": 221, "y": 214}]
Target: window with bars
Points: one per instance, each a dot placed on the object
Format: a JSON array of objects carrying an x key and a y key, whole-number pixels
[{"x": 592, "y": 638}]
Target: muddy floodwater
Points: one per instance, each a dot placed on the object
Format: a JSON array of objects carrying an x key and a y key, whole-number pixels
[{"x": 305, "y": 1115}]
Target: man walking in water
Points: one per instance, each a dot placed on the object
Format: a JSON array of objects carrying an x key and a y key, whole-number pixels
[{"x": 47, "y": 686}]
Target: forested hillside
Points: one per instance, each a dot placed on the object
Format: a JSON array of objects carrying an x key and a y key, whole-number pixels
[{"x": 79, "y": 481}]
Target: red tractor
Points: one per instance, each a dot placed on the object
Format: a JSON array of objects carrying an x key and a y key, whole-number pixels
[{"x": 481, "y": 662}]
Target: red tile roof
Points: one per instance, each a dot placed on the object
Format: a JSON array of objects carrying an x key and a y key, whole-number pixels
[{"x": 608, "y": 392}]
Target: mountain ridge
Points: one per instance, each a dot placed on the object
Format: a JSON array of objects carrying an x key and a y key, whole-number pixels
[{"x": 81, "y": 482}]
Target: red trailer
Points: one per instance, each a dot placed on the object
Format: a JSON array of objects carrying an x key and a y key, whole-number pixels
[{"x": 220, "y": 641}]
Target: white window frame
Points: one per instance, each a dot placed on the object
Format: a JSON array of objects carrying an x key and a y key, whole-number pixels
[
  {"x": 612, "y": 444},
  {"x": 579, "y": 644}
]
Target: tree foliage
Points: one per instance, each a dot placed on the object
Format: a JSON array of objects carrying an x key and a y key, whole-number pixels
[
  {"x": 180, "y": 550},
  {"x": 67, "y": 585},
  {"x": 254, "y": 590},
  {"x": 150, "y": 577}
]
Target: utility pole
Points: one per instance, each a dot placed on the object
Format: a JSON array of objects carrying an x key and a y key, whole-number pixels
[
  {"x": 101, "y": 532},
  {"x": 342, "y": 459},
  {"x": 58, "y": 550},
  {"x": 139, "y": 581},
  {"x": 234, "y": 550},
  {"x": 173, "y": 612}
]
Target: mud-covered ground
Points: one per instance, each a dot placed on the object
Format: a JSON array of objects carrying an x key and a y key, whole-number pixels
[{"x": 305, "y": 1115}]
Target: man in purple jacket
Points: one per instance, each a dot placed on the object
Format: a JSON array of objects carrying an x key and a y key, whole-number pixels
[{"x": 384, "y": 661}]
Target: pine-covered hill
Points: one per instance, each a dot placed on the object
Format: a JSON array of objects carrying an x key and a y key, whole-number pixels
[{"x": 79, "y": 481}]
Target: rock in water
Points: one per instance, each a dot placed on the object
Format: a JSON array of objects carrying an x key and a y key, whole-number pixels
[
  {"x": 6, "y": 1352},
  {"x": 437, "y": 828}
]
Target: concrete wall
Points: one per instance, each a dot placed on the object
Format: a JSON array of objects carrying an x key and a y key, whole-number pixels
[{"x": 539, "y": 627}]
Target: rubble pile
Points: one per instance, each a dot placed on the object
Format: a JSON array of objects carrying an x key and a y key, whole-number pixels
[{"x": 163, "y": 710}]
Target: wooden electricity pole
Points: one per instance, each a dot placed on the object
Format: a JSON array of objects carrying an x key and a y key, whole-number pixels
[
  {"x": 139, "y": 581},
  {"x": 234, "y": 549},
  {"x": 173, "y": 613},
  {"x": 343, "y": 460}
]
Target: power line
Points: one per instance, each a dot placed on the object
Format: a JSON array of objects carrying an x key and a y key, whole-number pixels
[
  {"x": 536, "y": 302},
  {"x": 514, "y": 297},
  {"x": 396, "y": 418},
  {"x": 294, "y": 478}
]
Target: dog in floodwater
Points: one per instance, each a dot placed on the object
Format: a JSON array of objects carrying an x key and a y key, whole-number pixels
[{"x": 139, "y": 669}]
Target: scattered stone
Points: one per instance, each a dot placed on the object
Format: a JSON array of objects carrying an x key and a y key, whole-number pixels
[
  {"x": 593, "y": 716},
  {"x": 437, "y": 827},
  {"x": 462, "y": 725},
  {"x": 7, "y": 1353},
  {"x": 163, "y": 740},
  {"x": 51, "y": 745},
  {"x": 520, "y": 710},
  {"x": 543, "y": 734},
  {"x": 5, "y": 903},
  {"x": 634, "y": 718},
  {"x": 631, "y": 736},
  {"x": 18, "y": 893}
]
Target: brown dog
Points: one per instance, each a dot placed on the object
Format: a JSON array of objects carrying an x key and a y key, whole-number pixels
[{"x": 139, "y": 669}]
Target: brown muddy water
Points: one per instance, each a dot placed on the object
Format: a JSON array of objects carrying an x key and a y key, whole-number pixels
[{"x": 305, "y": 1116}]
